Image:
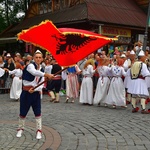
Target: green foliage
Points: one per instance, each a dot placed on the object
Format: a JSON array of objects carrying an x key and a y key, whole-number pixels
[{"x": 9, "y": 10}]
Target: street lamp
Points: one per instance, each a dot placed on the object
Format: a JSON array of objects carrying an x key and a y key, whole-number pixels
[{"x": 146, "y": 29}]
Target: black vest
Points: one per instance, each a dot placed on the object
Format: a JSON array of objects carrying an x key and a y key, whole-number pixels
[{"x": 28, "y": 76}]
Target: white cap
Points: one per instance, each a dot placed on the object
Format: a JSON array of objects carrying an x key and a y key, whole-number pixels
[
  {"x": 141, "y": 53},
  {"x": 38, "y": 51},
  {"x": 8, "y": 55},
  {"x": 132, "y": 52},
  {"x": 17, "y": 54},
  {"x": 123, "y": 55},
  {"x": 147, "y": 47}
]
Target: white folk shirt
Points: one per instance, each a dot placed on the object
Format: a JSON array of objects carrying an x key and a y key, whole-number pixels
[{"x": 37, "y": 73}]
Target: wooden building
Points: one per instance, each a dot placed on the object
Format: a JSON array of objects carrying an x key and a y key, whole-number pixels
[{"x": 126, "y": 18}]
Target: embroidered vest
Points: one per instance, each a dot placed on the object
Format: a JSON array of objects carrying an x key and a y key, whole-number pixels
[
  {"x": 28, "y": 76},
  {"x": 136, "y": 70}
]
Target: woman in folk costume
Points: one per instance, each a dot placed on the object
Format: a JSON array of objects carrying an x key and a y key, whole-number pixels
[
  {"x": 103, "y": 81},
  {"x": 116, "y": 93},
  {"x": 138, "y": 87},
  {"x": 16, "y": 87},
  {"x": 72, "y": 84},
  {"x": 86, "y": 91},
  {"x": 127, "y": 65}
]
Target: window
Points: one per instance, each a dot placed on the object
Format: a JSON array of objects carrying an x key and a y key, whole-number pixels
[
  {"x": 56, "y": 5},
  {"x": 49, "y": 6},
  {"x": 45, "y": 6}
]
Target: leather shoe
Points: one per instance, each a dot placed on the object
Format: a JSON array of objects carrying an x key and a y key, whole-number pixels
[
  {"x": 144, "y": 111},
  {"x": 134, "y": 110}
]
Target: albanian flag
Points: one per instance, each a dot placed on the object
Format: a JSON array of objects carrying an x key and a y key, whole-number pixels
[{"x": 67, "y": 45}]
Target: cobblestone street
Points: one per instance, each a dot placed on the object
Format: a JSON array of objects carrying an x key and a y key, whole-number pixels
[{"x": 68, "y": 126}]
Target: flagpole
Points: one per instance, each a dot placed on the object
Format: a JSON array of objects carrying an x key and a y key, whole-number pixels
[{"x": 146, "y": 29}]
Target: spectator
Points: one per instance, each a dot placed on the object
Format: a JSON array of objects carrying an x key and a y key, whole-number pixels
[
  {"x": 138, "y": 46},
  {"x": 8, "y": 78},
  {"x": 2, "y": 78}
]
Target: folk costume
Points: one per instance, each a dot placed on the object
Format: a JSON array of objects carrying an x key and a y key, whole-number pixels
[
  {"x": 16, "y": 87},
  {"x": 138, "y": 87},
  {"x": 55, "y": 84},
  {"x": 33, "y": 74},
  {"x": 72, "y": 84},
  {"x": 127, "y": 65},
  {"x": 103, "y": 82},
  {"x": 116, "y": 93},
  {"x": 86, "y": 91},
  {"x": 48, "y": 69}
]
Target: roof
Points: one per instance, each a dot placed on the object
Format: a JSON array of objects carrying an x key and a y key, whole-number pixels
[
  {"x": 122, "y": 12},
  {"x": 67, "y": 15}
]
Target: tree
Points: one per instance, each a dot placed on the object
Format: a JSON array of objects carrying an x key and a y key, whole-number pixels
[
  {"x": 9, "y": 10},
  {"x": 3, "y": 24}
]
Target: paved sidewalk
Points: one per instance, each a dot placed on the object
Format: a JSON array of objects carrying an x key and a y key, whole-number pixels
[{"x": 68, "y": 126}]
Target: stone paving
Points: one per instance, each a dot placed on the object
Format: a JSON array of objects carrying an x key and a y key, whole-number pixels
[{"x": 68, "y": 126}]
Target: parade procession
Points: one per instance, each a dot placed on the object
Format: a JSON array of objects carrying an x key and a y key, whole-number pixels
[{"x": 77, "y": 84}]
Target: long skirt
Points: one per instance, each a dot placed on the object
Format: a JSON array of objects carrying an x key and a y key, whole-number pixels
[
  {"x": 101, "y": 90},
  {"x": 72, "y": 86},
  {"x": 86, "y": 91},
  {"x": 16, "y": 88},
  {"x": 116, "y": 93}
]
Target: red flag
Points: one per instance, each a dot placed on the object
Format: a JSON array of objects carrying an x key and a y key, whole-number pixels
[{"x": 67, "y": 45}]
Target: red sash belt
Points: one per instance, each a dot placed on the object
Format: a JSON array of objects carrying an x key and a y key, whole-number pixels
[
  {"x": 57, "y": 78},
  {"x": 141, "y": 77},
  {"x": 27, "y": 88}
]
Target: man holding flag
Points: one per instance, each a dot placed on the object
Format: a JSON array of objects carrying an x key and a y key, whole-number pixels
[{"x": 33, "y": 74}]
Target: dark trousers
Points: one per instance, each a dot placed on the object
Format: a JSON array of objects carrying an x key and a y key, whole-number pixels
[{"x": 28, "y": 100}]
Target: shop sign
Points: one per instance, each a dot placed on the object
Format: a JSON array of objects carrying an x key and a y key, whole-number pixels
[{"x": 115, "y": 32}]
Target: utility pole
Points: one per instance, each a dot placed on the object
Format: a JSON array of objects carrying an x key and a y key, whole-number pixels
[{"x": 146, "y": 29}]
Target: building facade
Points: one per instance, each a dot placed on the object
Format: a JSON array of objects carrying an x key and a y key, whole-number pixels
[{"x": 125, "y": 19}]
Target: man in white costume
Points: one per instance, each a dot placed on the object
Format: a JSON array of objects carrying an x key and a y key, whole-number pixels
[
  {"x": 127, "y": 65},
  {"x": 138, "y": 87},
  {"x": 138, "y": 47}
]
